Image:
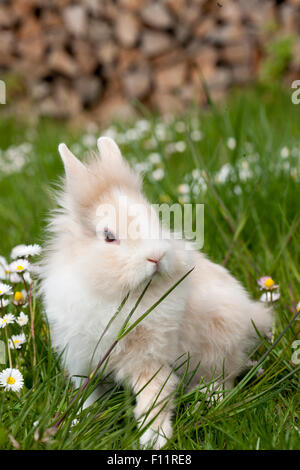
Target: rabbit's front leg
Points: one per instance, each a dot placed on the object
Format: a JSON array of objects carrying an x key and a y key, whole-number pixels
[{"x": 154, "y": 388}]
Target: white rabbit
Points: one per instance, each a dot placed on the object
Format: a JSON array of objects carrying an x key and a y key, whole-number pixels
[{"x": 90, "y": 264}]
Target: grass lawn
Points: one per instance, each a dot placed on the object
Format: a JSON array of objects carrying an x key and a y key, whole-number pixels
[{"x": 242, "y": 160}]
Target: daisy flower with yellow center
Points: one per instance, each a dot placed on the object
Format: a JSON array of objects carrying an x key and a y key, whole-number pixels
[
  {"x": 267, "y": 283},
  {"x": 11, "y": 379},
  {"x": 20, "y": 297},
  {"x": 271, "y": 289},
  {"x": 3, "y": 268},
  {"x": 22, "y": 319},
  {"x": 5, "y": 289},
  {"x": 19, "y": 266},
  {"x": 16, "y": 341},
  {"x": 18, "y": 251},
  {"x": 6, "y": 320},
  {"x": 298, "y": 307},
  {"x": 183, "y": 188},
  {"x": 21, "y": 251},
  {"x": 6, "y": 274}
]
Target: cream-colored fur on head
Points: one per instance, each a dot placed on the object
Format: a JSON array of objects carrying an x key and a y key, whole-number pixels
[{"x": 85, "y": 276}]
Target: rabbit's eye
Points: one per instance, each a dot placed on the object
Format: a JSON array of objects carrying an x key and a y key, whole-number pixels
[{"x": 109, "y": 236}]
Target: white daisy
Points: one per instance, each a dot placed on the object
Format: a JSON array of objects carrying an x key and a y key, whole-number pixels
[
  {"x": 158, "y": 174},
  {"x": 183, "y": 189},
  {"x": 33, "y": 250},
  {"x": 196, "y": 173},
  {"x": 285, "y": 152},
  {"x": 11, "y": 379},
  {"x": 244, "y": 172},
  {"x": 19, "y": 266},
  {"x": 267, "y": 283},
  {"x": 27, "y": 277},
  {"x": 298, "y": 307},
  {"x": 180, "y": 146},
  {"x": 6, "y": 320},
  {"x": 224, "y": 173},
  {"x": 5, "y": 289},
  {"x": 196, "y": 135},
  {"x": 142, "y": 167},
  {"x": 2, "y": 261},
  {"x": 154, "y": 158},
  {"x": 237, "y": 190},
  {"x": 198, "y": 176},
  {"x": 14, "y": 278},
  {"x": 16, "y": 341},
  {"x": 22, "y": 319},
  {"x": 268, "y": 296},
  {"x": 3, "y": 268},
  {"x": 6, "y": 274},
  {"x": 4, "y": 302},
  {"x": 231, "y": 143},
  {"x": 20, "y": 297},
  {"x": 132, "y": 134},
  {"x": 18, "y": 251},
  {"x": 3, "y": 273}
]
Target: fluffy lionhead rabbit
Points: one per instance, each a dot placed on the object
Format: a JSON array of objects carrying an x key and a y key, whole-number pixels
[{"x": 90, "y": 264}]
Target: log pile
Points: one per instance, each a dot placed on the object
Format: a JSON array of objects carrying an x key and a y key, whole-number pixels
[{"x": 99, "y": 56}]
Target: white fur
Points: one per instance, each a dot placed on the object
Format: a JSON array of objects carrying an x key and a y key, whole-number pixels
[{"x": 84, "y": 280}]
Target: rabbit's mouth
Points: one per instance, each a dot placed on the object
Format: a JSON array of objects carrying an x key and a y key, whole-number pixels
[
  {"x": 156, "y": 267},
  {"x": 159, "y": 270}
]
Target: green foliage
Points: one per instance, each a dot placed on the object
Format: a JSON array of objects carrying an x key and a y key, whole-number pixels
[{"x": 279, "y": 55}]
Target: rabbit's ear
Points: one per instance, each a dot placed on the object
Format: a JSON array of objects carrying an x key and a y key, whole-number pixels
[
  {"x": 109, "y": 150},
  {"x": 75, "y": 170}
]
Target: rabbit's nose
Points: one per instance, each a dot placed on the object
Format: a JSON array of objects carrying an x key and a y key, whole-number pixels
[{"x": 154, "y": 259}]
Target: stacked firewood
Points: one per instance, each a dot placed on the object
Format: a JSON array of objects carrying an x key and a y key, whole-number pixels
[{"x": 101, "y": 56}]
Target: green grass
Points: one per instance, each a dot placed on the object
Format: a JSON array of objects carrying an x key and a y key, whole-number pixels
[{"x": 252, "y": 225}]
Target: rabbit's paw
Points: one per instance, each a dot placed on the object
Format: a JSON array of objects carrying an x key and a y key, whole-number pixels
[{"x": 155, "y": 438}]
